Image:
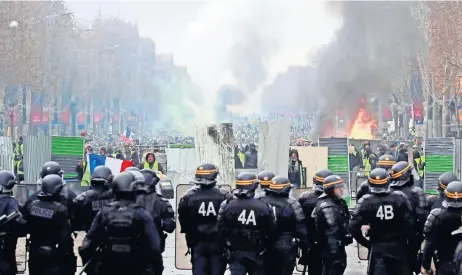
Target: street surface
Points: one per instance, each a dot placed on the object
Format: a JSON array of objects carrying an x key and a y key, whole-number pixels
[{"x": 355, "y": 266}]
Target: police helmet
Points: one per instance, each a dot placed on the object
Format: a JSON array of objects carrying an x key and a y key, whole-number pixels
[
  {"x": 246, "y": 183},
  {"x": 124, "y": 182},
  {"x": 7, "y": 181},
  {"x": 318, "y": 179},
  {"x": 102, "y": 174},
  {"x": 331, "y": 182},
  {"x": 453, "y": 195},
  {"x": 265, "y": 178},
  {"x": 132, "y": 168},
  {"x": 51, "y": 168},
  {"x": 401, "y": 173},
  {"x": 281, "y": 185},
  {"x": 150, "y": 177},
  {"x": 366, "y": 143},
  {"x": 378, "y": 180},
  {"x": 139, "y": 178},
  {"x": 386, "y": 162},
  {"x": 51, "y": 186},
  {"x": 206, "y": 174},
  {"x": 444, "y": 180}
]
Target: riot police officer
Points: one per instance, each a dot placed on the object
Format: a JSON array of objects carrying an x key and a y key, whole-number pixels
[
  {"x": 402, "y": 180},
  {"x": 197, "y": 214},
  {"x": 67, "y": 196},
  {"x": 290, "y": 220},
  {"x": 160, "y": 209},
  {"x": 8, "y": 232},
  {"x": 51, "y": 244},
  {"x": 385, "y": 162},
  {"x": 308, "y": 200},
  {"x": 438, "y": 230},
  {"x": 436, "y": 201},
  {"x": 122, "y": 238},
  {"x": 332, "y": 218},
  {"x": 248, "y": 227},
  {"x": 90, "y": 202},
  {"x": 389, "y": 217},
  {"x": 264, "y": 178}
]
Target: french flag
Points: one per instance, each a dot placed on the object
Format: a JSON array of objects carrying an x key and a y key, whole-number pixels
[
  {"x": 116, "y": 165},
  {"x": 127, "y": 135}
]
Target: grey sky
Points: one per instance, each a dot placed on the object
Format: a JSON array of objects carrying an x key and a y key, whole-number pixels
[{"x": 201, "y": 34}]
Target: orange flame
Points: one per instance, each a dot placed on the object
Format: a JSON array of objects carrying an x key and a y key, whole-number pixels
[{"x": 363, "y": 126}]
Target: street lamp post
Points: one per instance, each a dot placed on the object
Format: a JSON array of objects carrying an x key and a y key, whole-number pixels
[
  {"x": 72, "y": 106},
  {"x": 11, "y": 114}
]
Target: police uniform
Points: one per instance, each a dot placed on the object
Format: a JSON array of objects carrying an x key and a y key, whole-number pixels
[
  {"x": 51, "y": 244},
  {"x": 402, "y": 180},
  {"x": 439, "y": 241},
  {"x": 90, "y": 202},
  {"x": 9, "y": 233},
  {"x": 391, "y": 225},
  {"x": 248, "y": 227},
  {"x": 308, "y": 200},
  {"x": 436, "y": 201},
  {"x": 122, "y": 238},
  {"x": 290, "y": 220},
  {"x": 66, "y": 197},
  {"x": 385, "y": 162},
  {"x": 332, "y": 217},
  {"x": 264, "y": 178},
  {"x": 197, "y": 214},
  {"x": 160, "y": 209}
]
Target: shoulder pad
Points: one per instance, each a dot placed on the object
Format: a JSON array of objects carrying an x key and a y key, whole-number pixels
[
  {"x": 432, "y": 220},
  {"x": 365, "y": 197},
  {"x": 191, "y": 192},
  {"x": 223, "y": 191},
  {"x": 325, "y": 204},
  {"x": 399, "y": 193},
  {"x": 324, "y": 195},
  {"x": 291, "y": 200},
  {"x": 417, "y": 190},
  {"x": 436, "y": 212},
  {"x": 162, "y": 198},
  {"x": 304, "y": 194},
  {"x": 364, "y": 183},
  {"x": 432, "y": 197},
  {"x": 84, "y": 195}
]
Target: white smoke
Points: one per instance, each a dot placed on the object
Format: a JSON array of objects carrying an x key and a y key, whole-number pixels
[{"x": 247, "y": 43}]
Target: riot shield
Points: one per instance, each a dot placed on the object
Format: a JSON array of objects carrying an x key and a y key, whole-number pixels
[{"x": 183, "y": 261}]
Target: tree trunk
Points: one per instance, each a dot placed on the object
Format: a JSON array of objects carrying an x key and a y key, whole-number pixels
[
  {"x": 445, "y": 116},
  {"x": 437, "y": 121}
]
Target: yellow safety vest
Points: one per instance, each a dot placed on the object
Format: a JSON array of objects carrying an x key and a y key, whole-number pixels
[
  {"x": 155, "y": 167},
  {"x": 367, "y": 166},
  {"x": 86, "y": 178},
  {"x": 241, "y": 157},
  {"x": 420, "y": 161},
  {"x": 18, "y": 170}
]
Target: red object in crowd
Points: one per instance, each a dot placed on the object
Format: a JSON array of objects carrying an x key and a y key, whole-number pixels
[
  {"x": 83, "y": 133},
  {"x": 80, "y": 118}
]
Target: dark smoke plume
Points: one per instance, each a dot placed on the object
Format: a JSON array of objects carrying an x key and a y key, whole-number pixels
[{"x": 369, "y": 57}]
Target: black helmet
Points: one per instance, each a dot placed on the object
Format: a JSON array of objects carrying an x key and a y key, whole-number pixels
[
  {"x": 386, "y": 162},
  {"x": 331, "y": 182},
  {"x": 378, "y": 180},
  {"x": 366, "y": 143},
  {"x": 132, "y": 168},
  {"x": 280, "y": 185},
  {"x": 139, "y": 178},
  {"x": 51, "y": 168},
  {"x": 7, "y": 181},
  {"x": 318, "y": 179},
  {"x": 124, "y": 182},
  {"x": 444, "y": 180},
  {"x": 265, "y": 178},
  {"x": 400, "y": 173},
  {"x": 102, "y": 174},
  {"x": 206, "y": 174},
  {"x": 453, "y": 195},
  {"x": 51, "y": 186},
  {"x": 150, "y": 177},
  {"x": 246, "y": 183}
]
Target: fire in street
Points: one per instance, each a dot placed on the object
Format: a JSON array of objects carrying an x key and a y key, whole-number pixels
[{"x": 363, "y": 126}]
